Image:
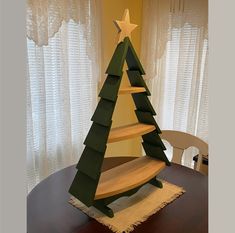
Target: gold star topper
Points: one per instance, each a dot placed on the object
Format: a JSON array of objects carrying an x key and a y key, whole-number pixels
[{"x": 124, "y": 27}]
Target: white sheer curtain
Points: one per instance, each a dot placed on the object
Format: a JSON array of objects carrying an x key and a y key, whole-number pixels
[
  {"x": 174, "y": 52},
  {"x": 63, "y": 71}
]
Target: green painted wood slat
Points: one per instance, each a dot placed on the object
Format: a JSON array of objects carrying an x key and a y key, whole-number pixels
[
  {"x": 110, "y": 88},
  {"x": 124, "y": 51},
  {"x": 117, "y": 61},
  {"x": 137, "y": 80},
  {"x": 154, "y": 139},
  {"x": 83, "y": 188},
  {"x": 146, "y": 117},
  {"x": 97, "y": 137},
  {"x": 91, "y": 162},
  {"x": 104, "y": 112},
  {"x": 132, "y": 59},
  {"x": 142, "y": 103},
  {"x": 156, "y": 152}
]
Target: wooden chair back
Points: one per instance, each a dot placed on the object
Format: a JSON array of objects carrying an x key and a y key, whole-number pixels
[{"x": 181, "y": 141}]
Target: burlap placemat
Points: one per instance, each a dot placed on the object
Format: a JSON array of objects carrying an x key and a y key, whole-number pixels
[{"x": 133, "y": 210}]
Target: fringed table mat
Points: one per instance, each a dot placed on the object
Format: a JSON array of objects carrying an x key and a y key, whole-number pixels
[{"x": 132, "y": 211}]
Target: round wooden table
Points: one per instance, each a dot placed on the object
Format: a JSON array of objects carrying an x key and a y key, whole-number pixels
[{"x": 48, "y": 210}]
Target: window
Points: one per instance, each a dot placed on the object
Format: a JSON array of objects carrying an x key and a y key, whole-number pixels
[
  {"x": 185, "y": 95},
  {"x": 60, "y": 100}
]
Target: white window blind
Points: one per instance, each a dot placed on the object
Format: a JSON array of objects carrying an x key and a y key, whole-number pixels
[
  {"x": 180, "y": 84},
  {"x": 61, "y": 96},
  {"x": 185, "y": 95},
  {"x": 174, "y": 51}
]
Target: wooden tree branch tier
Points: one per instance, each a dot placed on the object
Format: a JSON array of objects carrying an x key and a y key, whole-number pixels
[
  {"x": 97, "y": 189},
  {"x": 127, "y": 176},
  {"x": 129, "y": 131}
]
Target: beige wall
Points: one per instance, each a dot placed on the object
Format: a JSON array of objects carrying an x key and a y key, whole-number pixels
[{"x": 124, "y": 111}]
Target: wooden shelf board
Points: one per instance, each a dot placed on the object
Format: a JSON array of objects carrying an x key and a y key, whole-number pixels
[
  {"x": 129, "y": 90},
  {"x": 128, "y": 176},
  {"x": 129, "y": 131}
]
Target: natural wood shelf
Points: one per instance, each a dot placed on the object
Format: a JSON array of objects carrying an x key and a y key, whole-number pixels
[
  {"x": 129, "y": 90},
  {"x": 128, "y": 176},
  {"x": 129, "y": 131}
]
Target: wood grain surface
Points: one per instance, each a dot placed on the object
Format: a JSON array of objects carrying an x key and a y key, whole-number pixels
[
  {"x": 128, "y": 176},
  {"x": 129, "y": 131},
  {"x": 130, "y": 90}
]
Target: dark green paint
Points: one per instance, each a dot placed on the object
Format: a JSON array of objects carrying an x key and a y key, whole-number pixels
[
  {"x": 146, "y": 117},
  {"x": 153, "y": 138},
  {"x": 91, "y": 162},
  {"x": 99, "y": 204},
  {"x": 97, "y": 137},
  {"x": 84, "y": 188},
  {"x": 137, "y": 80},
  {"x": 117, "y": 61},
  {"x": 124, "y": 51},
  {"x": 155, "y": 152},
  {"x": 142, "y": 103},
  {"x": 156, "y": 183},
  {"x": 132, "y": 59},
  {"x": 110, "y": 88},
  {"x": 104, "y": 112}
]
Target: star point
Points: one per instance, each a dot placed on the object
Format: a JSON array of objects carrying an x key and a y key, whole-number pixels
[{"x": 124, "y": 26}]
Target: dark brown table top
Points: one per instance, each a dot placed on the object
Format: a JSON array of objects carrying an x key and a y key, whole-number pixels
[{"x": 48, "y": 210}]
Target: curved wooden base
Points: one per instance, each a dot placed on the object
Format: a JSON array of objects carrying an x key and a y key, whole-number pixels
[
  {"x": 101, "y": 204},
  {"x": 128, "y": 176},
  {"x": 125, "y": 180}
]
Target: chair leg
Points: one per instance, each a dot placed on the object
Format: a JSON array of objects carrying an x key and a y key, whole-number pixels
[
  {"x": 156, "y": 183},
  {"x": 103, "y": 208}
]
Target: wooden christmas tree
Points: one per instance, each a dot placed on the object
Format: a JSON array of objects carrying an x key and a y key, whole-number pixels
[{"x": 97, "y": 189}]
